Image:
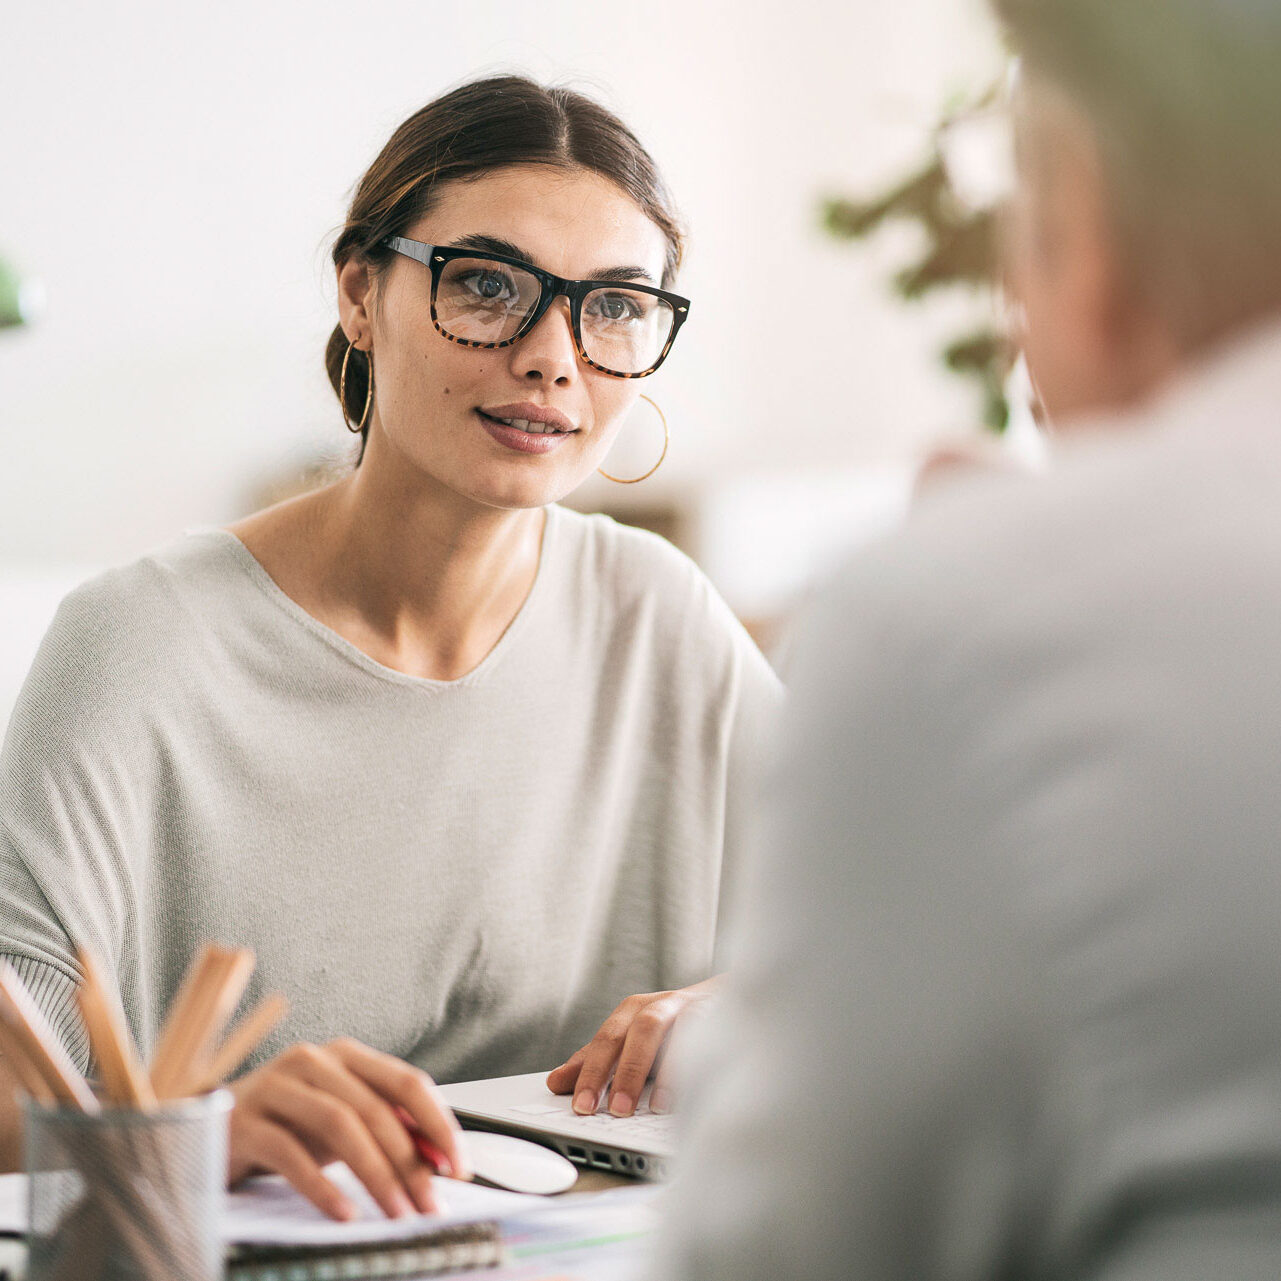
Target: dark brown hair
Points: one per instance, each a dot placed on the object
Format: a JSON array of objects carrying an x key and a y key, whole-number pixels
[
  {"x": 473, "y": 130},
  {"x": 1183, "y": 98}
]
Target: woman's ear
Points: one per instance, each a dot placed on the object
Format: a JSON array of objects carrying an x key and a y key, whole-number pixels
[{"x": 356, "y": 300}]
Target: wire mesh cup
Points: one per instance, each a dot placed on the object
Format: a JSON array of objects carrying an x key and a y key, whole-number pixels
[{"x": 126, "y": 1195}]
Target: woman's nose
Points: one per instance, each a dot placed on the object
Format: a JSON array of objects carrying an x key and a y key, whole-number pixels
[{"x": 547, "y": 353}]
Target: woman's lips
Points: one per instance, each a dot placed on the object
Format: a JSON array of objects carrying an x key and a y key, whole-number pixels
[{"x": 525, "y": 442}]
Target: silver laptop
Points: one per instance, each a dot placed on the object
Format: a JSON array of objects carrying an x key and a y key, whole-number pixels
[{"x": 639, "y": 1145}]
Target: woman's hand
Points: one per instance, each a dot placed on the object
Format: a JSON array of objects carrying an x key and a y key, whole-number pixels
[
  {"x": 627, "y": 1045},
  {"x": 314, "y": 1104}
]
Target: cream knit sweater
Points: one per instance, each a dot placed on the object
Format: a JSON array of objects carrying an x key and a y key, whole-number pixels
[{"x": 469, "y": 874}]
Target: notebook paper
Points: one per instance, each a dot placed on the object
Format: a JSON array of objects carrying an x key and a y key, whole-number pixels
[{"x": 269, "y": 1211}]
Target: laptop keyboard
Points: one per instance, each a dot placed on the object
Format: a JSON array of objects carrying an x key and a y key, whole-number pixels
[{"x": 643, "y": 1129}]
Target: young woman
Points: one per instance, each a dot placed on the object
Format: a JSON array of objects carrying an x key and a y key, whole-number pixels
[{"x": 461, "y": 766}]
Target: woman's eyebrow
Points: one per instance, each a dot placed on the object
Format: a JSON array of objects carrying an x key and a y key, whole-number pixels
[
  {"x": 497, "y": 245},
  {"x": 622, "y": 273},
  {"x": 491, "y": 245}
]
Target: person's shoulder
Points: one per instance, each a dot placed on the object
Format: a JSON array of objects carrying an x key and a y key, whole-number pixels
[
  {"x": 121, "y": 630},
  {"x": 986, "y": 533},
  {"x": 622, "y": 568},
  {"x": 627, "y": 555},
  {"x": 143, "y": 603},
  {"x": 1024, "y": 557},
  {"x": 623, "y": 574}
]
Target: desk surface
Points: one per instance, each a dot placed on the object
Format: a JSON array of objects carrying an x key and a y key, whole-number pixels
[{"x": 599, "y": 1181}]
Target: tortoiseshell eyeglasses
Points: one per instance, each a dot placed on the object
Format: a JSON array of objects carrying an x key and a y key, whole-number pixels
[{"x": 488, "y": 300}]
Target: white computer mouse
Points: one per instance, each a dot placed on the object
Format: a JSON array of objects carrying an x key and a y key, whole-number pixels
[{"x": 517, "y": 1164}]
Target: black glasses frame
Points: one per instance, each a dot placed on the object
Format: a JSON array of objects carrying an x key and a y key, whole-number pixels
[{"x": 434, "y": 257}]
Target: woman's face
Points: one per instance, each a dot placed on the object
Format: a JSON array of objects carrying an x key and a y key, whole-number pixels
[{"x": 436, "y": 403}]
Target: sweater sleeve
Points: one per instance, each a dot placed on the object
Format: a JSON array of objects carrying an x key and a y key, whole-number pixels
[
  {"x": 68, "y": 805},
  {"x": 55, "y": 996},
  {"x": 757, "y": 711}
]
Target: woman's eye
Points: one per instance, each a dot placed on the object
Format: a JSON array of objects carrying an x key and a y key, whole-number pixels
[
  {"x": 489, "y": 286},
  {"x": 617, "y": 307}
]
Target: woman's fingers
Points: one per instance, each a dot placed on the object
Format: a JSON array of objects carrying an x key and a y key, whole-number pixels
[
  {"x": 327, "y": 1070},
  {"x": 562, "y": 1080},
  {"x": 341, "y": 1102},
  {"x": 276, "y": 1150},
  {"x": 601, "y": 1053},
  {"x": 666, "y": 1069},
  {"x": 401, "y": 1083},
  {"x": 333, "y": 1129},
  {"x": 660, "y": 1097},
  {"x": 640, "y": 1048},
  {"x": 626, "y": 1048}
]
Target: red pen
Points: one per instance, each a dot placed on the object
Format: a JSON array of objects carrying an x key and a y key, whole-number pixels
[{"x": 427, "y": 1151}]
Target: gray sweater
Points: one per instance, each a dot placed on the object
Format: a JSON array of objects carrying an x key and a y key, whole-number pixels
[
  {"x": 469, "y": 874},
  {"x": 1009, "y": 1004}
]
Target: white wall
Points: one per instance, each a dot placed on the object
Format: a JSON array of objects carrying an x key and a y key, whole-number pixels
[{"x": 171, "y": 172}]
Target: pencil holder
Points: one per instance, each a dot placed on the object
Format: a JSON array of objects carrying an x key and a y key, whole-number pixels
[{"x": 127, "y": 1195}]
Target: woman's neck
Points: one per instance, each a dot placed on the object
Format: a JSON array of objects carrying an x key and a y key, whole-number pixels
[{"x": 424, "y": 582}]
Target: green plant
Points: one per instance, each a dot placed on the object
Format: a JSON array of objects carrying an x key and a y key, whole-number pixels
[
  {"x": 17, "y": 297},
  {"x": 961, "y": 251}
]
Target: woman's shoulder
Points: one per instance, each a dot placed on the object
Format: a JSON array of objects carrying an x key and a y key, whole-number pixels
[
  {"x": 136, "y": 620},
  {"x": 156, "y": 592},
  {"x": 635, "y": 581},
  {"x": 625, "y": 556}
]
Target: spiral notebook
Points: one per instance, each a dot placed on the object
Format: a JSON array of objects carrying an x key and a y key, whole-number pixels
[
  {"x": 274, "y": 1234},
  {"x": 464, "y": 1247}
]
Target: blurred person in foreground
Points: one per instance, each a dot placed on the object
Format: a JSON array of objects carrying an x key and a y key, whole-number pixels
[{"x": 1009, "y": 1002}]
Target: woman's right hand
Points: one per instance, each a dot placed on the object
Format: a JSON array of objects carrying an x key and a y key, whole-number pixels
[{"x": 313, "y": 1104}]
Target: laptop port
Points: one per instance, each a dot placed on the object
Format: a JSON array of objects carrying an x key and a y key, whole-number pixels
[
  {"x": 602, "y": 1160},
  {"x": 624, "y": 1160},
  {"x": 576, "y": 1153},
  {"x": 640, "y": 1163}
]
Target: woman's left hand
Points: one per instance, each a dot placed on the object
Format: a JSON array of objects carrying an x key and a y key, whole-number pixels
[{"x": 627, "y": 1046}]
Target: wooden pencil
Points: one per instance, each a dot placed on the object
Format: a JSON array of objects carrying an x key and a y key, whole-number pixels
[
  {"x": 123, "y": 1078},
  {"x": 242, "y": 1040},
  {"x": 24, "y": 1072},
  {"x": 42, "y": 1047},
  {"x": 218, "y": 992},
  {"x": 167, "y": 1051},
  {"x": 131, "y": 1189},
  {"x": 192, "y": 1012},
  {"x": 227, "y": 995}
]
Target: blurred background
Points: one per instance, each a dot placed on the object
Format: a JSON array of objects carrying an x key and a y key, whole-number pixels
[{"x": 171, "y": 176}]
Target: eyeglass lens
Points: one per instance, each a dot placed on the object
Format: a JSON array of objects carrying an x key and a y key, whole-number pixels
[{"x": 479, "y": 300}]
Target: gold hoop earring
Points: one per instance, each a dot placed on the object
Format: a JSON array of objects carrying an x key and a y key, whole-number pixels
[
  {"x": 667, "y": 437},
  {"x": 342, "y": 391}
]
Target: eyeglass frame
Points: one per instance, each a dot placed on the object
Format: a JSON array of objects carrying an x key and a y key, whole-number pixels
[{"x": 433, "y": 257}]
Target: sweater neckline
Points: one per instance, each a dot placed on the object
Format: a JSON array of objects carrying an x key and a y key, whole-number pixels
[{"x": 257, "y": 574}]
